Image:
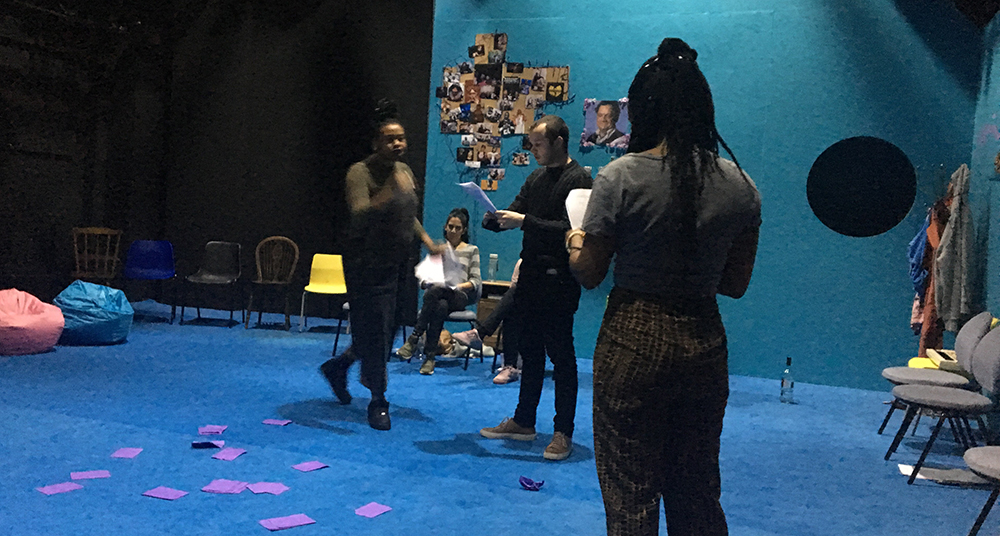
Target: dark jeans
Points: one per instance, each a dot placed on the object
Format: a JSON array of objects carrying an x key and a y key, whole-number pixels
[
  {"x": 438, "y": 302},
  {"x": 547, "y": 332},
  {"x": 504, "y": 313},
  {"x": 372, "y": 291}
]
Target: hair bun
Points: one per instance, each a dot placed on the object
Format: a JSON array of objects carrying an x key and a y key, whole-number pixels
[
  {"x": 674, "y": 48},
  {"x": 386, "y": 110}
]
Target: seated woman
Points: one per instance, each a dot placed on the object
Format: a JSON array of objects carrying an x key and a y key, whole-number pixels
[{"x": 440, "y": 299}]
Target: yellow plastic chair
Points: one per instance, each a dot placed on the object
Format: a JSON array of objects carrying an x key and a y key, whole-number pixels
[{"x": 325, "y": 277}]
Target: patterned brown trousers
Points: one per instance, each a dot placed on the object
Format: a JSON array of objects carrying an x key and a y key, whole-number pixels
[{"x": 660, "y": 388}]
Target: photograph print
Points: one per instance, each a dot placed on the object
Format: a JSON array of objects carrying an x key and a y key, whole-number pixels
[{"x": 605, "y": 123}]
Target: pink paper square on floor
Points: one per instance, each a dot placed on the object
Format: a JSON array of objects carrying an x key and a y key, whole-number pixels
[
  {"x": 211, "y": 429},
  {"x": 274, "y": 488},
  {"x": 163, "y": 492},
  {"x": 372, "y": 509},
  {"x": 59, "y": 488},
  {"x": 287, "y": 522},
  {"x": 276, "y": 422},
  {"x": 229, "y": 454},
  {"x": 305, "y": 467},
  {"x": 222, "y": 485},
  {"x": 86, "y": 475},
  {"x": 126, "y": 453}
]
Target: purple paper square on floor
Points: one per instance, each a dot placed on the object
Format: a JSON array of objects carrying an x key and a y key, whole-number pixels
[
  {"x": 86, "y": 475},
  {"x": 305, "y": 467},
  {"x": 211, "y": 429},
  {"x": 126, "y": 453},
  {"x": 224, "y": 486},
  {"x": 276, "y": 422},
  {"x": 163, "y": 492},
  {"x": 274, "y": 488},
  {"x": 372, "y": 509},
  {"x": 59, "y": 488},
  {"x": 229, "y": 454},
  {"x": 287, "y": 522}
]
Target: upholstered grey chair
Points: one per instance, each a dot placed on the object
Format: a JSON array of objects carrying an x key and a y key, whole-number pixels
[{"x": 952, "y": 404}]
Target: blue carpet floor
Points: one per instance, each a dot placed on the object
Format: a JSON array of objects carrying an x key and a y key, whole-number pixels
[{"x": 814, "y": 468}]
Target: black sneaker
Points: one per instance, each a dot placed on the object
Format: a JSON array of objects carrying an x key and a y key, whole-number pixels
[
  {"x": 378, "y": 414},
  {"x": 335, "y": 372}
]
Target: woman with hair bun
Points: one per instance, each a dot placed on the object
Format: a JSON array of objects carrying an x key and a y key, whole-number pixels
[
  {"x": 440, "y": 299},
  {"x": 682, "y": 225},
  {"x": 382, "y": 198}
]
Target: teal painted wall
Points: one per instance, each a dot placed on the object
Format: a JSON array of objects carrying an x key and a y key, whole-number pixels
[
  {"x": 983, "y": 191},
  {"x": 789, "y": 80}
]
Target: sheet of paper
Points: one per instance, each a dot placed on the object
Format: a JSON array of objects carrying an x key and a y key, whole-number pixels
[
  {"x": 372, "y": 509},
  {"x": 430, "y": 270},
  {"x": 224, "y": 486},
  {"x": 477, "y": 193},
  {"x": 163, "y": 492},
  {"x": 217, "y": 444},
  {"x": 59, "y": 488},
  {"x": 126, "y": 452},
  {"x": 576, "y": 206},
  {"x": 305, "y": 467},
  {"x": 274, "y": 488},
  {"x": 86, "y": 475},
  {"x": 454, "y": 273},
  {"x": 287, "y": 522},
  {"x": 277, "y": 422},
  {"x": 229, "y": 454},
  {"x": 211, "y": 429}
]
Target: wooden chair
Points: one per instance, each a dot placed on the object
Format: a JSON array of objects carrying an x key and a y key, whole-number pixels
[
  {"x": 277, "y": 257},
  {"x": 96, "y": 252}
]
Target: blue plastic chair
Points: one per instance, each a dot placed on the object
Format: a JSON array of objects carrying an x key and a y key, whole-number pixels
[{"x": 151, "y": 260}]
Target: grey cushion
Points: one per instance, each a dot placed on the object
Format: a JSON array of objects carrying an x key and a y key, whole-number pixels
[
  {"x": 907, "y": 375},
  {"x": 936, "y": 397},
  {"x": 984, "y": 461},
  {"x": 986, "y": 361},
  {"x": 969, "y": 336}
]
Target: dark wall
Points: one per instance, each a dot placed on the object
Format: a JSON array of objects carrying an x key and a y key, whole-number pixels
[{"x": 236, "y": 122}]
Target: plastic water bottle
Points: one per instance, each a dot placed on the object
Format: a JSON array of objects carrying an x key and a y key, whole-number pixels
[
  {"x": 491, "y": 272},
  {"x": 787, "y": 383}
]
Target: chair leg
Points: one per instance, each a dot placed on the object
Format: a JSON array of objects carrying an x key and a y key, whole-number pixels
[
  {"x": 969, "y": 432},
  {"x": 892, "y": 407},
  {"x": 302, "y": 313},
  {"x": 982, "y": 429},
  {"x": 957, "y": 434},
  {"x": 927, "y": 450},
  {"x": 985, "y": 512},
  {"x": 916, "y": 424},
  {"x": 246, "y": 323},
  {"x": 907, "y": 418},
  {"x": 288, "y": 319}
]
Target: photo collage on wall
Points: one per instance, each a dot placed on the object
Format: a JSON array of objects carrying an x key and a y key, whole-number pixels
[
  {"x": 605, "y": 124},
  {"x": 488, "y": 98}
]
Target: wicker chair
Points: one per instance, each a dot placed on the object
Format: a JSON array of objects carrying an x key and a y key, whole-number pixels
[{"x": 277, "y": 257}]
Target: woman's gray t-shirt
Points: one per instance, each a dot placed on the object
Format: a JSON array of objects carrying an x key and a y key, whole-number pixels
[{"x": 632, "y": 204}]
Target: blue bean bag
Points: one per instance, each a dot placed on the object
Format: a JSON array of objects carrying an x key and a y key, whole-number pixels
[{"x": 94, "y": 314}]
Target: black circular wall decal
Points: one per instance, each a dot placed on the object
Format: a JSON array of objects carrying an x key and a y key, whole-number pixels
[{"x": 861, "y": 186}]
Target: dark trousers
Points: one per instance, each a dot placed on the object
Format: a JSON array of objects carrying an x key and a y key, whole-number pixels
[
  {"x": 660, "y": 389},
  {"x": 547, "y": 332},
  {"x": 438, "y": 302},
  {"x": 372, "y": 292},
  {"x": 504, "y": 313}
]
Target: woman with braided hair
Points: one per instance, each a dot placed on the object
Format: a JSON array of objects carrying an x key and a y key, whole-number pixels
[{"x": 682, "y": 224}]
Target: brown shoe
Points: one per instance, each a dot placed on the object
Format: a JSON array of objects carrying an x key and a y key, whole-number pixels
[
  {"x": 427, "y": 367},
  {"x": 560, "y": 447},
  {"x": 508, "y": 429}
]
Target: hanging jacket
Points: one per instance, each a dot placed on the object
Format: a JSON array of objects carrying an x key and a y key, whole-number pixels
[
  {"x": 918, "y": 271},
  {"x": 954, "y": 296}
]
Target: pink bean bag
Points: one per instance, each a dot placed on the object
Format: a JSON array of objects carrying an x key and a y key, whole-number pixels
[{"x": 27, "y": 325}]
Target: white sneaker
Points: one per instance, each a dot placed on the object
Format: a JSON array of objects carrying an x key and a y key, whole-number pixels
[{"x": 507, "y": 374}]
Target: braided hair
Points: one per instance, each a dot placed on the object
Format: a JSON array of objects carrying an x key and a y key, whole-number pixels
[
  {"x": 670, "y": 101},
  {"x": 386, "y": 113}
]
